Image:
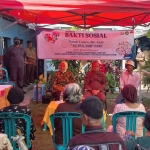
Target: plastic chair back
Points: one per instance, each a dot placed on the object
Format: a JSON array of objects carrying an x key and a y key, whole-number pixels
[
  {"x": 67, "y": 127},
  {"x": 138, "y": 147},
  {"x": 10, "y": 128},
  {"x": 6, "y": 76},
  {"x": 131, "y": 117},
  {"x": 103, "y": 122},
  {"x": 6, "y": 82}
]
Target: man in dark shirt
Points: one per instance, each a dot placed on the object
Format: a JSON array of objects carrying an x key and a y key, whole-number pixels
[
  {"x": 92, "y": 111},
  {"x": 16, "y": 55}
]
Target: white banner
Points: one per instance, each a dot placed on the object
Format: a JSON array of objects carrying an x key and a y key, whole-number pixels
[{"x": 85, "y": 45}]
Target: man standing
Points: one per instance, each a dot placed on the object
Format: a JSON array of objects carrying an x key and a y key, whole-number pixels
[
  {"x": 140, "y": 58},
  {"x": 147, "y": 55},
  {"x": 30, "y": 62},
  {"x": 16, "y": 55},
  {"x": 95, "y": 82},
  {"x": 128, "y": 77},
  {"x": 92, "y": 112}
]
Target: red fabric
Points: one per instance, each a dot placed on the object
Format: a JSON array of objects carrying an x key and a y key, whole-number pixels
[{"x": 97, "y": 12}]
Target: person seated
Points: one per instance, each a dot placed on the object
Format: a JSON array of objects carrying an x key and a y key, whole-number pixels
[
  {"x": 15, "y": 97},
  {"x": 129, "y": 94},
  {"x": 60, "y": 79},
  {"x": 95, "y": 82},
  {"x": 142, "y": 141},
  {"x": 128, "y": 77},
  {"x": 72, "y": 95},
  {"x": 92, "y": 112}
]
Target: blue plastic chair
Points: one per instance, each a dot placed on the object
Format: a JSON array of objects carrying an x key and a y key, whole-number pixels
[
  {"x": 102, "y": 122},
  {"x": 6, "y": 82},
  {"x": 6, "y": 76},
  {"x": 10, "y": 126},
  {"x": 131, "y": 117},
  {"x": 67, "y": 127}
]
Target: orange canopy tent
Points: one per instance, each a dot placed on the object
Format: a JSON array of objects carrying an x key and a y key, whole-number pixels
[{"x": 79, "y": 13}]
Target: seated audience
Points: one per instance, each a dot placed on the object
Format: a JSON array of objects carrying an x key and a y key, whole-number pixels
[
  {"x": 15, "y": 97},
  {"x": 95, "y": 82},
  {"x": 129, "y": 94},
  {"x": 128, "y": 77},
  {"x": 142, "y": 141},
  {"x": 61, "y": 78},
  {"x": 92, "y": 112},
  {"x": 72, "y": 95}
]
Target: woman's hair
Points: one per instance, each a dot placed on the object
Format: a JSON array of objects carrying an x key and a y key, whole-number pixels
[
  {"x": 72, "y": 93},
  {"x": 147, "y": 120},
  {"x": 15, "y": 95},
  {"x": 129, "y": 92}
]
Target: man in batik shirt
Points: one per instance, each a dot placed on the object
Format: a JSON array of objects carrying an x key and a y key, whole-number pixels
[
  {"x": 61, "y": 78},
  {"x": 95, "y": 82}
]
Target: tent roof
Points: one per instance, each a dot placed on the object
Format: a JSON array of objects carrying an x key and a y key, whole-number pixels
[{"x": 79, "y": 13}]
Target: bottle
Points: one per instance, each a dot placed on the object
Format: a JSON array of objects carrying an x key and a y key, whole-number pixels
[{"x": 61, "y": 97}]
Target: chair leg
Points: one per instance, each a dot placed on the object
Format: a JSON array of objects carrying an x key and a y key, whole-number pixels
[
  {"x": 45, "y": 127},
  {"x": 105, "y": 103}
]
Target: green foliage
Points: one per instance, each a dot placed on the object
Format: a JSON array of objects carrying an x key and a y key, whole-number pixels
[
  {"x": 146, "y": 77},
  {"x": 148, "y": 34},
  {"x": 76, "y": 28}
]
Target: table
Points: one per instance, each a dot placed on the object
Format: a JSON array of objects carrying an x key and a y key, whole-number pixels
[
  {"x": 51, "y": 110},
  {"x": 4, "y": 89}
]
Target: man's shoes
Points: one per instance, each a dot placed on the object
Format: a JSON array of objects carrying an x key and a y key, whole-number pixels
[
  {"x": 24, "y": 92},
  {"x": 25, "y": 85}
]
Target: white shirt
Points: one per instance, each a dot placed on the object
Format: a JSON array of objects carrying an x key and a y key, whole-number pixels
[{"x": 127, "y": 78}]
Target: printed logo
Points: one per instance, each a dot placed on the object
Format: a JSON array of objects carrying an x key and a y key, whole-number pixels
[
  {"x": 52, "y": 37},
  {"x": 127, "y": 32}
]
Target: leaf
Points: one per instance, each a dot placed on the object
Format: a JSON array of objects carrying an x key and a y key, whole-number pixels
[{"x": 148, "y": 34}]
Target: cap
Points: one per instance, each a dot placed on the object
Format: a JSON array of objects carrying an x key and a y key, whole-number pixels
[
  {"x": 92, "y": 107},
  {"x": 83, "y": 147},
  {"x": 15, "y": 95},
  {"x": 147, "y": 120},
  {"x": 16, "y": 38},
  {"x": 130, "y": 62}
]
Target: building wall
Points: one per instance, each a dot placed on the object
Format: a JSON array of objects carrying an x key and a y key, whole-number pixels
[{"x": 8, "y": 34}]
